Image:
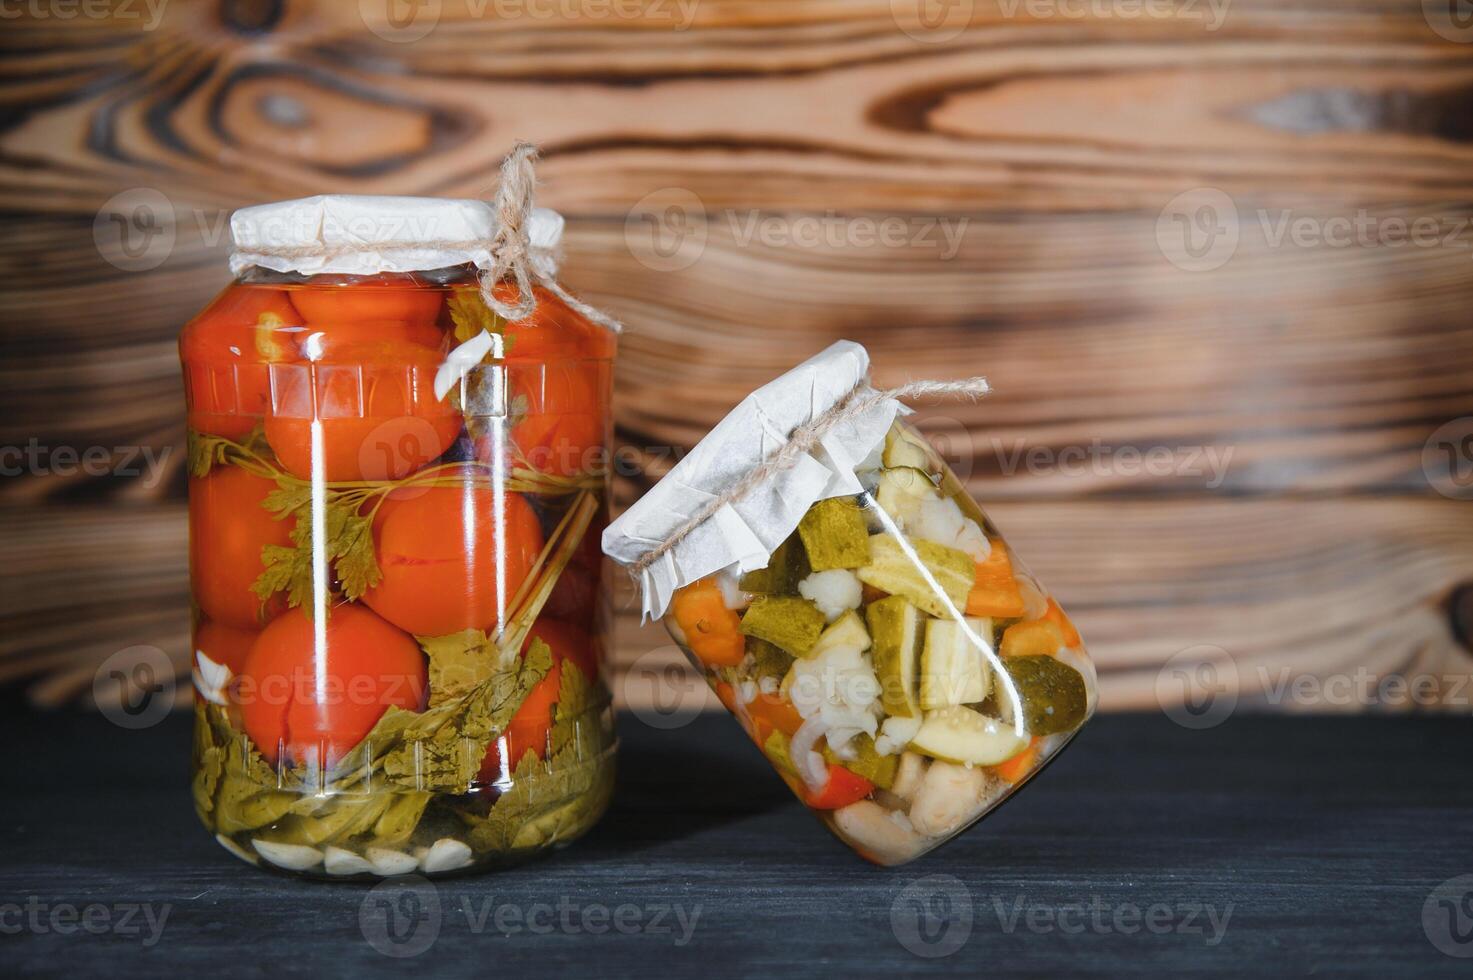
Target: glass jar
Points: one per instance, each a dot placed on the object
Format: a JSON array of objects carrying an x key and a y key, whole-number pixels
[
  {"x": 897, "y": 664},
  {"x": 399, "y": 610}
]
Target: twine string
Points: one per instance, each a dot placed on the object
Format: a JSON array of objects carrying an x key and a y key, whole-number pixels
[
  {"x": 803, "y": 440},
  {"x": 513, "y": 257}
]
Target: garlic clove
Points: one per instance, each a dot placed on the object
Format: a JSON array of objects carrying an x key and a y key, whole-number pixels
[
  {"x": 388, "y": 862},
  {"x": 293, "y": 857},
  {"x": 337, "y": 861},
  {"x": 447, "y": 854}
]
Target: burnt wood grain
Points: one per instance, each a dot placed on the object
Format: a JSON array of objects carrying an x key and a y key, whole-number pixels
[{"x": 1038, "y": 166}]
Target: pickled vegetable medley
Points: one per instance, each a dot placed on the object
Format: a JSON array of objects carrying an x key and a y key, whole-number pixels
[
  {"x": 895, "y": 664},
  {"x": 398, "y": 608}
]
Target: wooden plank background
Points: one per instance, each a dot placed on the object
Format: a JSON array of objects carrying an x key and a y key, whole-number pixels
[{"x": 724, "y": 166}]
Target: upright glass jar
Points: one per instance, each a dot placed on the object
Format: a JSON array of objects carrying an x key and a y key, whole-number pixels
[{"x": 396, "y": 498}]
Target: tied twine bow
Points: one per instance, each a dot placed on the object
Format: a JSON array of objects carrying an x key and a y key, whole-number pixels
[
  {"x": 803, "y": 440},
  {"x": 513, "y": 257},
  {"x": 510, "y": 249}
]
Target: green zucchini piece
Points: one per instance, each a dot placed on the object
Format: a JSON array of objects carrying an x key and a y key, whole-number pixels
[
  {"x": 953, "y": 669},
  {"x": 901, "y": 490},
  {"x": 903, "y": 448},
  {"x": 789, "y": 622},
  {"x": 1053, "y": 693},
  {"x": 892, "y": 570},
  {"x": 895, "y": 629},
  {"x": 846, "y": 631},
  {"x": 964, "y": 736},
  {"x": 835, "y": 535}
]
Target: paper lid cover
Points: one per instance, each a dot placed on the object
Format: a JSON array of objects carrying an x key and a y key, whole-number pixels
[
  {"x": 743, "y": 534},
  {"x": 365, "y": 234}
]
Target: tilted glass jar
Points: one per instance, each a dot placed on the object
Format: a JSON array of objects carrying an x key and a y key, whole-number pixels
[{"x": 399, "y": 607}]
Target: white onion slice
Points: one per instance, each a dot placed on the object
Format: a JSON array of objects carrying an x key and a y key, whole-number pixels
[{"x": 810, "y": 765}]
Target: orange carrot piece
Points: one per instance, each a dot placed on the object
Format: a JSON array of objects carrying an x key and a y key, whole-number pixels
[
  {"x": 1037, "y": 637},
  {"x": 994, "y": 590},
  {"x": 1056, "y": 616},
  {"x": 1014, "y": 769},
  {"x": 712, "y": 631}
]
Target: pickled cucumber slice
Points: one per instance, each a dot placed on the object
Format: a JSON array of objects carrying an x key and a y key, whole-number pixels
[
  {"x": 789, "y": 622},
  {"x": 892, "y": 570},
  {"x": 965, "y": 736},
  {"x": 835, "y": 534},
  {"x": 895, "y": 630},
  {"x": 785, "y": 569},
  {"x": 846, "y": 631},
  {"x": 768, "y": 659},
  {"x": 1053, "y": 693},
  {"x": 953, "y": 669}
]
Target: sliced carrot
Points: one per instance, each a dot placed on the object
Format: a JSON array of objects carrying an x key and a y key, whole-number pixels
[
  {"x": 1014, "y": 769},
  {"x": 1037, "y": 637},
  {"x": 712, "y": 631},
  {"x": 1056, "y": 616},
  {"x": 773, "y": 711},
  {"x": 994, "y": 590}
]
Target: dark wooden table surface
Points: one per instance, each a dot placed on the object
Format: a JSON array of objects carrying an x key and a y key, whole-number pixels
[{"x": 1284, "y": 845}]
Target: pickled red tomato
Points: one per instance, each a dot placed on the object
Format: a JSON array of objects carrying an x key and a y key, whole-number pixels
[
  {"x": 555, "y": 374},
  {"x": 575, "y": 596},
  {"x": 529, "y": 727},
  {"x": 562, "y": 430},
  {"x": 226, "y": 352},
  {"x": 223, "y": 644},
  {"x": 553, "y": 332},
  {"x": 319, "y": 703},
  {"x": 228, "y": 527},
  {"x": 376, "y": 406},
  {"x": 388, "y": 299},
  {"x": 448, "y": 552}
]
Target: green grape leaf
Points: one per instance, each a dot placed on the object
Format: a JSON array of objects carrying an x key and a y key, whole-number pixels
[
  {"x": 442, "y": 748},
  {"x": 458, "y": 663},
  {"x": 566, "y": 792},
  {"x": 471, "y": 315}
]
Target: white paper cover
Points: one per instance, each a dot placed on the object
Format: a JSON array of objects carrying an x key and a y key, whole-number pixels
[
  {"x": 383, "y": 234},
  {"x": 743, "y": 535}
]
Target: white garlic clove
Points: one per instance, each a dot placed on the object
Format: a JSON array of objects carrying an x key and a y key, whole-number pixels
[
  {"x": 236, "y": 849},
  {"x": 949, "y": 796},
  {"x": 870, "y": 828},
  {"x": 388, "y": 863},
  {"x": 446, "y": 854},
  {"x": 337, "y": 861},
  {"x": 293, "y": 857}
]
